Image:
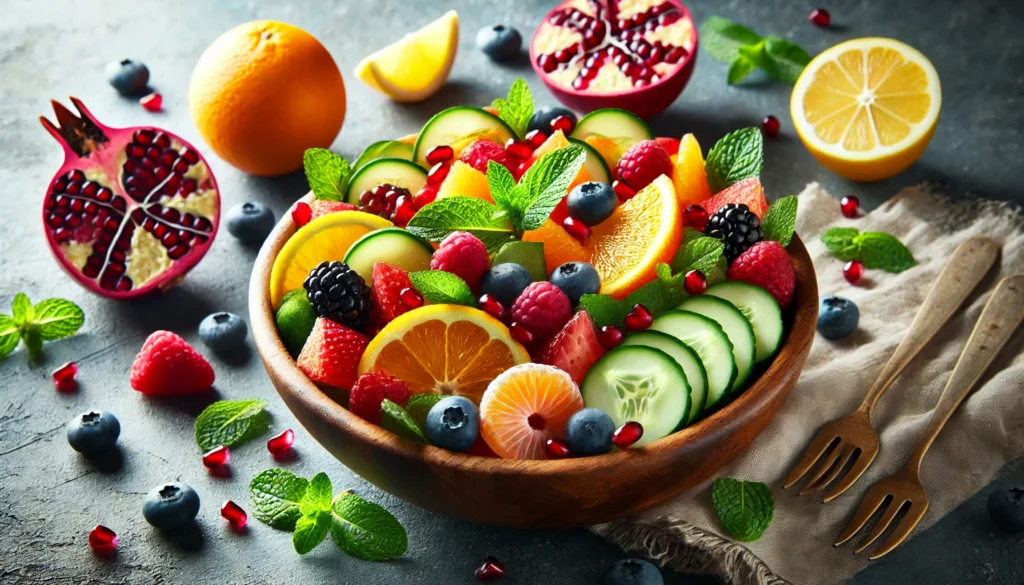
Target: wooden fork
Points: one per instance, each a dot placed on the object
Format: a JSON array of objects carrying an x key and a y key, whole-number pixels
[
  {"x": 853, "y": 438},
  {"x": 1003, "y": 313}
]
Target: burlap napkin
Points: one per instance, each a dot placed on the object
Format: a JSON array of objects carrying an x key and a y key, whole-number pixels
[{"x": 985, "y": 433}]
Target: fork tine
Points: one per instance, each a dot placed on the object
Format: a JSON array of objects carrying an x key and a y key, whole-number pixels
[
  {"x": 883, "y": 523},
  {"x": 824, "y": 467},
  {"x": 860, "y": 465},
  {"x": 872, "y": 499},
  {"x": 844, "y": 451},
  {"x": 903, "y": 529},
  {"x": 821, "y": 441}
]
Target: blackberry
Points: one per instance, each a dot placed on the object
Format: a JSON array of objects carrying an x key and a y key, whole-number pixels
[
  {"x": 339, "y": 293},
  {"x": 382, "y": 200},
  {"x": 737, "y": 227}
]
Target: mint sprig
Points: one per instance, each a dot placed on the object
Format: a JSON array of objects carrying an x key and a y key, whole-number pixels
[
  {"x": 877, "y": 250},
  {"x": 420, "y": 404},
  {"x": 697, "y": 252},
  {"x": 327, "y": 173},
  {"x": 230, "y": 422},
  {"x": 517, "y": 109},
  {"x": 779, "y": 221},
  {"x": 657, "y": 296},
  {"x": 737, "y": 156},
  {"x": 48, "y": 320},
  {"x": 276, "y": 497},
  {"x": 434, "y": 222},
  {"x": 399, "y": 421},
  {"x": 315, "y": 507},
  {"x": 745, "y": 508},
  {"x": 442, "y": 288},
  {"x": 746, "y": 51}
]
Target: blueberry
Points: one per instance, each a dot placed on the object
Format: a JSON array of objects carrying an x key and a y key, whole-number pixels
[
  {"x": 93, "y": 432},
  {"x": 589, "y": 432},
  {"x": 632, "y": 572},
  {"x": 250, "y": 222},
  {"x": 592, "y": 202},
  {"x": 506, "y": 282},
  {"x": 453, "y": 423},
  {"x": 576, "y": 279},
  {"x": 837, "y": 318},
  {"x": 499, "y": 42},
  {"x": 1006, "y": 507},
  {"x": 542, "y": 118},
  {"x": 171, "y": 506},
  {"x": 223, "y": 332},
  {"x": 128, "y": 77}
]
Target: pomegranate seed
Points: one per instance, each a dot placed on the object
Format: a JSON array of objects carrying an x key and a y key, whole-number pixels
[
  {"x": 405, "y": 209},
  {"x": 576, "y": 229},
  {"x": 639, "y": 318},
  {"x": 234, "y": 514},
  {"x": 102, "y": 540},
  {"x": 76, "y": 175},
  {"x": 438, "y": 154},
  {"x": 281, "y": 443},
  {"x": 627, "y": 434},
  {"x": 217, "y": 457},
  {"x": 695, "y": 217},
  {"x": 820, "y": 17},
  {"x": 563, "y": 123},
  {"x": 694, "y": 283},
  {"x": 518, "y": 149},
  {"x": 152, "y": 102},
  {"x": 610, "y": 336},
  {"x": 557, "y": 449},
  {"x": 548, "y": 63},
  {"x": 64, "y": 377},
  {"x": 438, "y": 173},
  {"x": 492, "y": 306},
  {"x": 411, "y": 298},
  {"x": 520, "y": 333},
  {"x": 624, "y": 191},
  {"x": 853, "y": 271},
  {"x": 850, "y": 206},
  {"x": 770, "y": 126},
  {"x": 535, "y": 138},
  {"x": 302, "y": 213},
  {"x": 491, "y": 570}
]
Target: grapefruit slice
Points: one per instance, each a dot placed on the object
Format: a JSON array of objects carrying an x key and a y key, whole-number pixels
[{"x": 748, "y": 192}]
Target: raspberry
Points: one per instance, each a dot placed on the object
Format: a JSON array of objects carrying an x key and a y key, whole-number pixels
[
  {"x": 478, "y": 153},
  {"x": 767, "y": 264},
  {"x": 331, "y": 354},
  {"x": 168, "y": 366},
  {"x": 386, "y": 294},
  {"x": 369, "y": 392},
  {"x": 322, "y": 207},
  {"x": 642, "y": 163},
  {"x": 542, "y": 308},
  {"x": 463, "y": 255}
]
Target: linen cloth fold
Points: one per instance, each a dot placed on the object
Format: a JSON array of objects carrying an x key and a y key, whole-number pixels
[{"x": 986, "y": 432}]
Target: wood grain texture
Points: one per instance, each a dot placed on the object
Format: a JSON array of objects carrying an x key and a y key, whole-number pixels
[{"x": 535, "y": 494}]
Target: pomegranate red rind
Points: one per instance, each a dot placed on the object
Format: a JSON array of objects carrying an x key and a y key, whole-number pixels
[{"x": 131, "y": 210}]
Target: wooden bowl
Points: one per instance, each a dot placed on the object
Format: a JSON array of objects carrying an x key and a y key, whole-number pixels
[{"x": 535, "y": 494}]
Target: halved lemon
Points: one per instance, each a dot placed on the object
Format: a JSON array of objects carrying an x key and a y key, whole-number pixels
[
  {"x": 867, "y": 108},
  {"x": 414, "y": 67},
  {"x": 325, "y": 238},
  {"x": 446, "y": 349}
]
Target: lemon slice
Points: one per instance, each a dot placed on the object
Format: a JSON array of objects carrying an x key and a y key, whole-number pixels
[
  {"x": 867, "y": 108},
  {"x": 413, "y": 68},
  {"x": 325, "y": 238}
]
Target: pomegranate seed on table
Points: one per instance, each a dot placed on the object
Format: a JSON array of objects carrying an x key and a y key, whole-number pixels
[
  {"x": 438, "y": 173},
  {"x": 820, "y": 17},
  {"x": 492, "y": 306},
  {"x": 518, "y": 149},
  {"x": 609, "y": 336},
  {"x": 627, "y": 434},
  {"x": 639, "y": 318},
  {"x": 853, "y": 271},
  {"x": 557, "y": 449},
  {"x": 520, "y": 333},
  {"x": 217, "y": 457},
  {"x": 411, "y": 298},
  {"x": 64, "y": 377},
  {"x": 234, "y": 514},
  {"x": 770, "y": 126},
  {"x": 624, "y": 191},
  {"x": 280, "y": 444},
  {"x": 102, "y": 540},
  {"x": 491, "y": 570},
  {"x": 694, "y": 283},
  {"x": 153, "y": 102},
  {"x": 850, "y": 206},
  {"x": 695, "y": 217},
  {"x": 535, "y": 138},
  {"x": 563, "y": 123},
  {"x": 576, "y": 228},
  {"x": 302, "y": 213},
  {"x": 440, "y": 154}
]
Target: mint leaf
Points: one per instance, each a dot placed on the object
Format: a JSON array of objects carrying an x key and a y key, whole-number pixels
[
  {"x": 721, "y": 38},
  {"x": 57, "y": 318},
  {"x": 276, "y": 496},
  {"x": 701, "y": 253},
  {"x": 318, "y": 496},
  {"x": 739, "y": 69},
  {"x": 546, "y": 183},
  {"x": 657, "y": 296},
  {"x": 840, "y": 242},
  {"x": 779, "y": 222},
  {"x": 442, "y": 288},
  {"x": 230, "y": 422},
  {"x": 366, "y": 530},
  {"x": 396, "y": 419},
  {"x": 738, "y": 155},
  {"x": 311, "y": 531},
  {"x": 529, "y": 255},
  {"x": 745, "y": 50},
  {"x": 375, "y": 151},
  {"x": 22, "y": 309},
  {"x": 788, "y": 59},
  {"x": 33, "y": 339},
  {"x": 882, "y": 251},
  {"x": 9, "y": 336},
  {"x": 420, "y": 404},
  {"x": 604, "y": 310},
  {"x": 462, "y": 214},
  {"x": 744, "y": 507},
  {"x": 502, "y": 186},
  {"x": 517, "y": 110},
  {"x": 327, "y": 173}
]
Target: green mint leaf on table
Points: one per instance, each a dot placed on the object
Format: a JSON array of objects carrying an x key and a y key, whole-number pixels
[
  {"x": 310, "y": 531},
  {"x": 840, "y": 242},
  {"x": 779, "y": 222},
  {"x": 33, "y": 339},
  {"x": 366, "y": 530},
  {"x": 722, "y": 38},
  {"x": 462, "y": 214},
  {"x": 22, "y": 309},
  {"x": 788, "y": 59},
  {"x": 48, "y": 320},
  {"x": 529, "y": 255},
  {"x": 740, "y": 68},
  {"x": 327, "y": 173},
  {"x": 396, "y": 419},
  {"x": 443, "y": 288},
  {"x": 419, "y": 405},
  {"x": 546, "y": 183},
  {"x": 57, "y": 318},
  {"x": 744, "y": 507},
  {"x": 230, "y": 422},
  {"x": 276, "y": 497},
  {"x": 517, "y": 110},
  {"x": 882, "y": 251},
  {"x": 9, "y": 335},
  {"x": 318, "y": 496},
  {"x": 372, "y": 152},
  {"x": 738, "y": 155},
  {"x": 745, "y": 50},
  {"x": 701, "y": 253}
]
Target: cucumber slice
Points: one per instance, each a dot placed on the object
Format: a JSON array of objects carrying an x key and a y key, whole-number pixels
[
  {"x": 393, "y": 246},
  {"x": 642, "y": 384},
  {"x": 595, "y": 165},
  {"x": 457, "y": 127},
  {"x": 696, "y": 377},
  {"x": 395, "y": 171},
  {"x": 612, "y": 123},
  {"x": 735, "y": 325},
  {"x": 383, "y": 149},
  {"x": 760, "y": 308},
  {"x": 707, "y": 338}
]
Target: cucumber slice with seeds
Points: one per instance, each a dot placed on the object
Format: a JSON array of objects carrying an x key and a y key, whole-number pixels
[
  {"x": 761, "y": 310},
  {"x": 696, "y": 377},
  {"x": 595, "y": 165},
  {"x": 458, "y": 127},
  {"x": 736, "y": 327},
  {"x": 394, "y": 171},
  {"x": 707, "y": 338},
  {"x": 393, "y": 246}
]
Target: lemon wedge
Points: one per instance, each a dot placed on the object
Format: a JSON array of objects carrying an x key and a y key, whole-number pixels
[
  {"x": 415, "y": 67},
  {"x": 867, "y": 108}
]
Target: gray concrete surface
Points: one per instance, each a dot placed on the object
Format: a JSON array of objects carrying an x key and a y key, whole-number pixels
[{"x": 50, "y": 497}]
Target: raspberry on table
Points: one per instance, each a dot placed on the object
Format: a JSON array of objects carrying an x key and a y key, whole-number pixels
[
  {"x": 642, "y": 163},
  {"x": 479, "y": 152},
  {"x": 369, "y": 392},
  {"x": 543, "y": 309},
  {"x": 767, "y": 265},
  {"x": 464, "y": 255},
  {"x": 168, "y": 366}
]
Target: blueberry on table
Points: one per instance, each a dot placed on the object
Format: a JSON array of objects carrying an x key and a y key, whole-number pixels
[
  {"x": 453, "y": 423},
  {"x": 171, "y": 506},
  {"x": 499, "y": 42},
  {"x": 1006, "y": 507},
  {"x": 543, "y": 117},
  {"x": 837, "y": 318},
  {"x": 250, "y": 222},
  {"x": 592, "y": 202},
  {"x": 223, "y": 332},
  {"x": 506, "y": 282},
  {"x": 576, "y": 279},
  {"x": 632, "y": 572},
  {"x": 589, "y": 432},
  {"x": 128, "y": 77},
  {"x": 93, "y": 432}
]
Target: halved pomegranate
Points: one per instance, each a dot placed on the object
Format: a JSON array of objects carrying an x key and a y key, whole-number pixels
[
  {"x": 631, "y": 54},
  {"x": 131, "y": 210}
]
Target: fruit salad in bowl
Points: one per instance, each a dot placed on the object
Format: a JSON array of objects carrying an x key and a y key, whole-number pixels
[{"x": 541, "y": 327}]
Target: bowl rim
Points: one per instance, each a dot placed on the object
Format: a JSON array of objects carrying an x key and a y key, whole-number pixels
[
  {"x": 289, "y": 378},
  {"x": 680, "y": 68}
]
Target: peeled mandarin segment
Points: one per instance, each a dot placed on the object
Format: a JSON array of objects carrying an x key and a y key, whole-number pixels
[
  {"x": 689, "y": 176},
  {"x": 464, "y": 180},
  {"x": 559, "y": 246}
]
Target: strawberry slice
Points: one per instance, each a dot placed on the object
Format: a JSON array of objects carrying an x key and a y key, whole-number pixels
[
  {"x": 331, "y": 354},
  {"x": 573, "y": 349},
  {"x": 748, "y": 192}
]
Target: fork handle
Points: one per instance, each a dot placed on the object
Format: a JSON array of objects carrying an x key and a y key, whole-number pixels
[
  {"x": 1002, "y": 314},
  {"x": 963, "y": 271}
]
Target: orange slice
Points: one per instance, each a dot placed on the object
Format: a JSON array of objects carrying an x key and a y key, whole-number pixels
[
  {"x": 524, "y": 407},
  {"x": 555, "y": 142},
  {"x": 444, "y": 349},
  {"x": 464, "y": 180},
  {"x": 688, "y": 176},
  {"x": 559, "y": 246}
]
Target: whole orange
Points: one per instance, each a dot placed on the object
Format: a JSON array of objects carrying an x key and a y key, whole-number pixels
[{"x": 263, "y": 93}]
